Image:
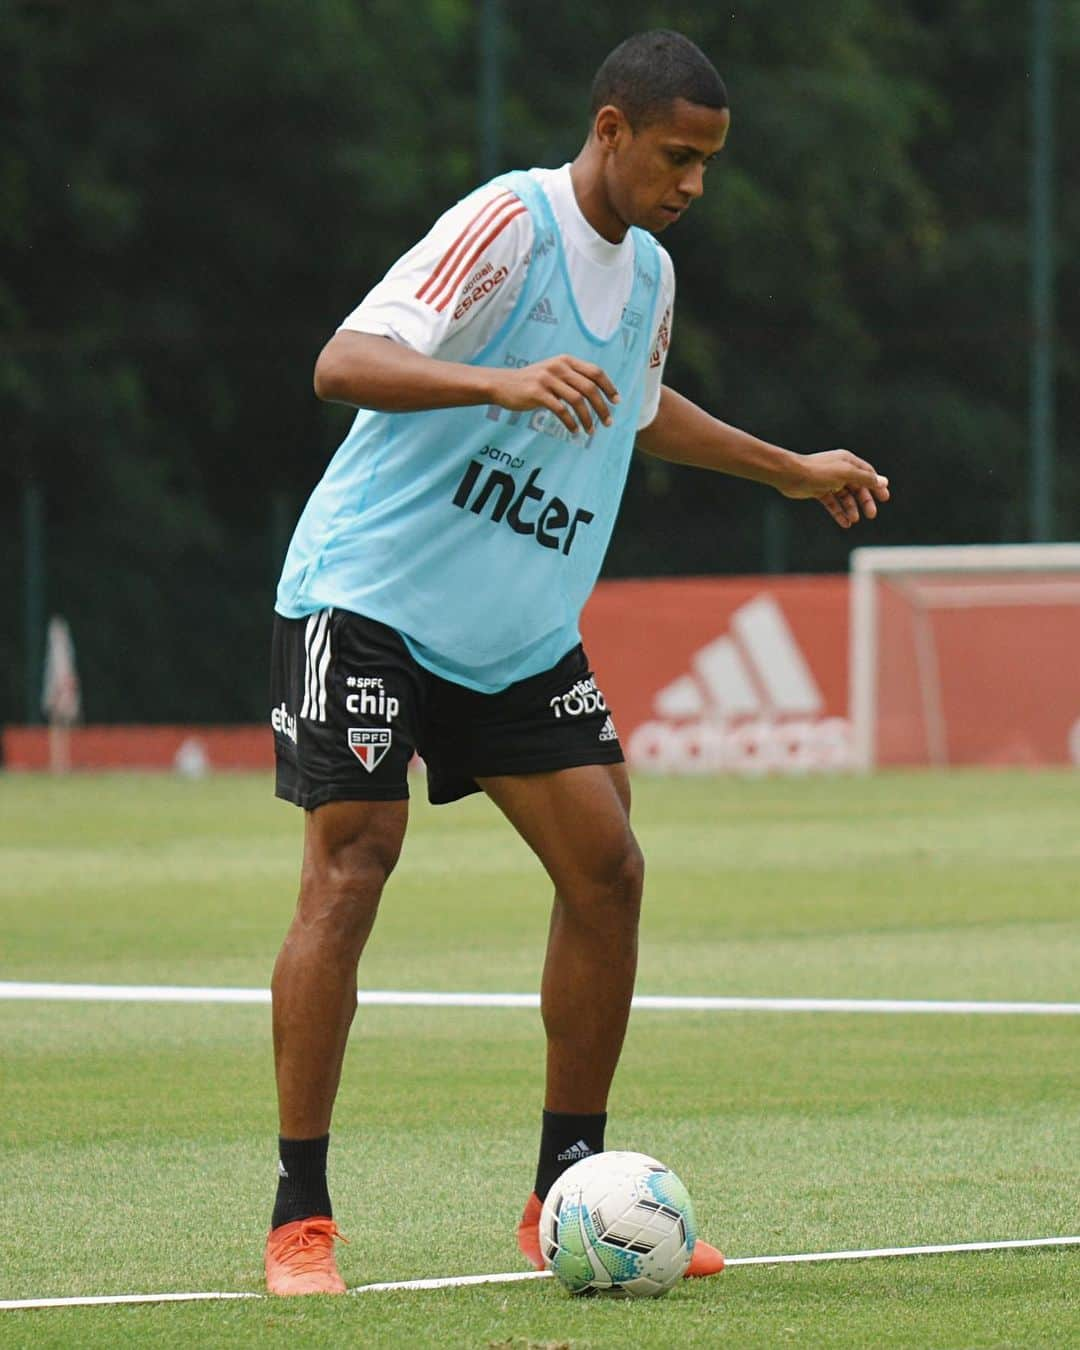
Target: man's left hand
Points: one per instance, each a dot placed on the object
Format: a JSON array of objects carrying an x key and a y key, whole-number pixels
[{"x": 847, "y": 487}]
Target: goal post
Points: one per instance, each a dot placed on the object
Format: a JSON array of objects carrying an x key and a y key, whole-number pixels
[{"x": 965, "y": 654}]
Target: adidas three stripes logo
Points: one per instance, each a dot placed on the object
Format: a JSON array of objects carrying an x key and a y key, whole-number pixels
[{"x": 316, "y": 664}]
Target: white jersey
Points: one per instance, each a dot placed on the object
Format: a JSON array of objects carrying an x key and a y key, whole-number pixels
[{"x": 453, "y": 291}]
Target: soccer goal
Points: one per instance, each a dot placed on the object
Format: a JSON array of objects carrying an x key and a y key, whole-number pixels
[{"x": 965, "y": 654}]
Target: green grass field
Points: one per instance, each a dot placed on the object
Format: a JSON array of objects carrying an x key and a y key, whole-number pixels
[{"x": 137, "y": 1141}]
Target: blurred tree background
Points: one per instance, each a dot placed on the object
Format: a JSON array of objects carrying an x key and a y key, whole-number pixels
[{"x": 192, "y": 196}]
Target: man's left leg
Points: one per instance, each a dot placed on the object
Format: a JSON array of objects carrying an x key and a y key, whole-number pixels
[{"x": 577, "y": 821}]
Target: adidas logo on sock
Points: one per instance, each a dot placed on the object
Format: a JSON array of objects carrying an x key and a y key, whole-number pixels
[
  {"x": 575, "y": 1152},
  {"x": 281, "y": 1170}
]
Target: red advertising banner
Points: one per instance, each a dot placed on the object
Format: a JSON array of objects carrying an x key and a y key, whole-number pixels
[
  {"x": 750, "y": 675},
  {"x": 190, "y": 750},
  {"x": 703, "y": 675},
  {"x": 713, "y": 675}
]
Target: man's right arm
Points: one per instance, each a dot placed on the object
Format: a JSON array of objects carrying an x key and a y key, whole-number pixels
[
  {"x": 379, "y": 373},
  {"x": 376, "y": 372}
]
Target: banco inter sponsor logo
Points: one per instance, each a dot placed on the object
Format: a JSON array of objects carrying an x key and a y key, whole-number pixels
[
  {"x": 501, "y": 457},
  {"x": 554, "y": 525},
  {"x": 749, "y": 704}
]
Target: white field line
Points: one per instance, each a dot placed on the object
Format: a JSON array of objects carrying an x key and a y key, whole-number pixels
[
  {"x": 512, "y": 1277},
  {"x": 160, "y": 993},
  {"x": 109, "y": 1300},
  {"x": 1012, "y": 1245}
]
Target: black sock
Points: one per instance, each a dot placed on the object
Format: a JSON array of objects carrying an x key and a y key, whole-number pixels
[
  {"x": 565, "y": 1140},
  {"x": 301, "y": 1189}
]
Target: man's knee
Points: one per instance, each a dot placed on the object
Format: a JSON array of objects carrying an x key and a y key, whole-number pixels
[
  {"x": 614, "y": 884},
  {"x": 340, "y": 895},
  {"x": 347, "y": 861},
  {"x": 629, "y": 874},
  {"x": 348, "y": 875}
]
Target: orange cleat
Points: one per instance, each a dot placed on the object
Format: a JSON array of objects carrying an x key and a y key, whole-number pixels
[
  {"x": 300, "y": 1258},
  {"x": 528, "y": 1232},
  {"x": 706, "y": 1260}
]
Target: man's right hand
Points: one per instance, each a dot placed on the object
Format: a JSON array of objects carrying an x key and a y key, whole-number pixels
[
  {"x": 378, "y": 372},
  {"x": 576, "y": 391}
]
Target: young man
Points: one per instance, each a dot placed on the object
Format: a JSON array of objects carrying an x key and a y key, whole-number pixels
[{"x": 505, "y": 368}]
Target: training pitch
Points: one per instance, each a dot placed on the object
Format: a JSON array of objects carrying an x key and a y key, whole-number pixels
[{"x": 137, "y": 1143}]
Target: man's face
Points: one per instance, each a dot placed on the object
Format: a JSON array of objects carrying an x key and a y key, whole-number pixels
[{"x": 654, "y": 173}]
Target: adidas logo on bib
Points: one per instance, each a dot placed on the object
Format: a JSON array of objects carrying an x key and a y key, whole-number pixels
[{"x": 542, "y": 312}]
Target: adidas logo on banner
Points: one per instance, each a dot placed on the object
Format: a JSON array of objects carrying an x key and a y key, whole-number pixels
[
  {"x": 750, "y": 702},
  {"x": 542, "y": 312},
  {"x": 575, "y": 1152},
  {"x": 758, "y": 671}
]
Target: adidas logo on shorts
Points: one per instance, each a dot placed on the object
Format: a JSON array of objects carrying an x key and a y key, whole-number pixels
[{"x": 608, "y": 732}]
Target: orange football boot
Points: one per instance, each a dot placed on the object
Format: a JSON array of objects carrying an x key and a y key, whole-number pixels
[
  {"x": 300, "y": 1258},
  {"x": 528, "y": 1232},
  {"x": 706, "y": 1260}
]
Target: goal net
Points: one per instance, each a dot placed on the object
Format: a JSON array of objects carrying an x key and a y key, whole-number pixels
[{"x": 966, "y": 654}]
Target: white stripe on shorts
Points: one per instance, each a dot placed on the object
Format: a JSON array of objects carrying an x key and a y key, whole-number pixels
[
  {"x": 324, "y": 666},
  {"x": 315, "y": 663},
  {"x": 309, "y": 630}
]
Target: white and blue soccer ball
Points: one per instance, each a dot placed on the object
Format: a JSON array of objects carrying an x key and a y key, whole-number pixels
[{"x": 618, "y": 1223}]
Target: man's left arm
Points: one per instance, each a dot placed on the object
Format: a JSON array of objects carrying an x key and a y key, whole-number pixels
[{"x": 682, "y": 433}]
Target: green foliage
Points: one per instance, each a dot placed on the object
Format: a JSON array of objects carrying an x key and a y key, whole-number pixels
[{"x": 192, "y": 197}]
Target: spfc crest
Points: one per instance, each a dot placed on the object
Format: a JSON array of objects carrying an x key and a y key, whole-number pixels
[{"x": 370, "y": 744}]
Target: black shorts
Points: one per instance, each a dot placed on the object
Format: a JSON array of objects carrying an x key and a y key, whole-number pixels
[{"x": 350, "y": 705}]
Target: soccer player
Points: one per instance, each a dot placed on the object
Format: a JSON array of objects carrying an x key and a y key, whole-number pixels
[{"x": 504, "y": 370}]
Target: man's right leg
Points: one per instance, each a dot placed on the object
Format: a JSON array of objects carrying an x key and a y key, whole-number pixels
[{"x": 350, "y": 849}]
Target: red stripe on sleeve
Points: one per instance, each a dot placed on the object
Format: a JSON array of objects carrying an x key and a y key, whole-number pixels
[
  {"x": 477, "y": 222},
  {"x": 465, "y": 255},
  {"x": 463, "y": 271}
]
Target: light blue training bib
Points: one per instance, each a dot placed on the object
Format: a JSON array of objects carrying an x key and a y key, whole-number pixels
[{"x": 477, "y": 533}]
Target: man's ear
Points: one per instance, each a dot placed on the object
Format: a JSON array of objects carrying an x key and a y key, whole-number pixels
[{"x": 610, "y": 125}]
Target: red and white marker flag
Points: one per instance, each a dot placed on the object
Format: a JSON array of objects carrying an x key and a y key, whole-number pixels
[{"x": 61, "y": 697}]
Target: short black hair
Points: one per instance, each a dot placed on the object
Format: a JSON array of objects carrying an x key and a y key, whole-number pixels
[{"x": 644, "y": 75}]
